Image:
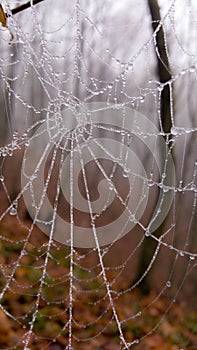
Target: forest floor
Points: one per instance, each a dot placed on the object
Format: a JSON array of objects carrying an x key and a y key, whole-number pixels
[{"x": 161, "y": 325}]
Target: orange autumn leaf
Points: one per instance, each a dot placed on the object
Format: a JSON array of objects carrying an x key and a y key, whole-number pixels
[{"x": 3, "y": 19}]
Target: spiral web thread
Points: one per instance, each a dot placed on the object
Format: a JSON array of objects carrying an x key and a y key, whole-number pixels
[{"x": 79, "y": 57}]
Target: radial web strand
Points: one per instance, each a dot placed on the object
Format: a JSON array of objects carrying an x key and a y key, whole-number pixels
[{"x": 98, "y": 175}]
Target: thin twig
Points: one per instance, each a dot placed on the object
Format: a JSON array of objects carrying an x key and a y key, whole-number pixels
[{"x": 24, "y": 6}]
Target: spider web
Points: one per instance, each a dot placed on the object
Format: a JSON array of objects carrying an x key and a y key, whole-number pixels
[{"x": 88, "y": 176}]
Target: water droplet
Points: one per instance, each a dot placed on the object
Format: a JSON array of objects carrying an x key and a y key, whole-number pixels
[
  {"x": 10, "y": 152},
  {"x": 174, "y": 131},
  {"x": 111, "y": 187},
  {"x": 183, "y": 71},
  {"x": 126, "y": 172},
  {"x": 15, "y": 135},
  {"x": 150, "y": 182},
  {"x": 96, "y": 93},
  {"x": 192, "y": 187},
  {"x": 110, "y": 85},
  {"x": 13, "y": 211},
  {"x": 181, "y": 253},
  {"x": 142, "y": 99},
  {"x": 192, "y": 69},
  {"x": 78, "y": 32},
  {"x": 131, "y": 217},
  {"x": 80, "y": 129},
  {"x": 168, "y": 284},
  {"x": 1, "y": 178},
  {"x": 180, "y": 189},
  {"x": 165, "y": 189},
  {"x": 160, "y": 88},
  {"x": 192, "y": 257}
]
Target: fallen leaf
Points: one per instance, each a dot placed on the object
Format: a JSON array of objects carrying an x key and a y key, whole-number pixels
[{"x": 3, "y": 19}]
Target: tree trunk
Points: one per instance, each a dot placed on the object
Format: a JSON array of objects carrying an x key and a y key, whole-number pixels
[{"x": 164, "y": 75}]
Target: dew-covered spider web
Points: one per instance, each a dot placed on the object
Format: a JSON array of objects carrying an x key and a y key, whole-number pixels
[{"x": 98, "y": 173}]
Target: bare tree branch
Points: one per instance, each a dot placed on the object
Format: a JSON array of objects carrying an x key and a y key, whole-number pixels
[{"x": 24, "y": 6}]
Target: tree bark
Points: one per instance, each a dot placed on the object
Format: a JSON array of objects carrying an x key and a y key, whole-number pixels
[
  {"x": 164, "y": 75},
  {"x": 163, "y": 66}
]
